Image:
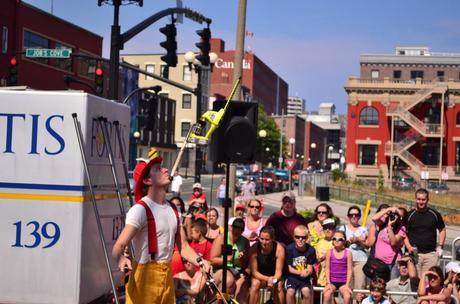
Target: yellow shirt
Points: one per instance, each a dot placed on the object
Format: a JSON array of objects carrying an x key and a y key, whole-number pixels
[{"x": 322, "y": 247}]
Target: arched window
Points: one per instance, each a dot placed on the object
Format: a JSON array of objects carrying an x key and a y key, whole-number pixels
[
  {"x": 457, "y": 121},
  {"x": 369, "y": 117}
]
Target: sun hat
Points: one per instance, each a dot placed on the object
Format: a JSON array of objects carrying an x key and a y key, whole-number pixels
[
  {"x": 328, "y": 221},
  {"x": 456, "y": 269},
  {"x": 450, "y": 266},
  {"x": 197, "y": 186},
  {"x": 141, "y": 169}
]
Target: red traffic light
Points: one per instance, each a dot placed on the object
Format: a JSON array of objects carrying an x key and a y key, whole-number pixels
[
  {"x": 99, "y": 72},
  {"x": 13, "y": 61}
]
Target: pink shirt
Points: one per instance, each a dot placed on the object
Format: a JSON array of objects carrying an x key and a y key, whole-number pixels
[{"x": 383, "y": 249}]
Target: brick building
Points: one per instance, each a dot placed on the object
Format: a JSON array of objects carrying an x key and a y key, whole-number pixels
[
  {"x": 404, "y": 116},
  {"x": 25, "y": 26},
  {"x": 260, "y": 83}
]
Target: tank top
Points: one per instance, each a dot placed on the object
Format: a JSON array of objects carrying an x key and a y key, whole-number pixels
[
  {"x": 266, "y": 263},
  {"x": 338, "y": 267},
  {"x": 247, "y": 232},
  {"x": 233, "y": 260}
]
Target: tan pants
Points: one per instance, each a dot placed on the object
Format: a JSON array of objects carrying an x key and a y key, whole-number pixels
[
  {"x": 426, "y": 260},
  {"x": 151, "y": 283},
  {"x": 359, "y": 278}
]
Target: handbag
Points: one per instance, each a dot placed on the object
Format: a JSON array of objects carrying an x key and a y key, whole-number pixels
[{"x": 376, "y": 268}]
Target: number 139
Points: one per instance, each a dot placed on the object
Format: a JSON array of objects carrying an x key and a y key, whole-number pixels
[{"x": 52, "y": 234}]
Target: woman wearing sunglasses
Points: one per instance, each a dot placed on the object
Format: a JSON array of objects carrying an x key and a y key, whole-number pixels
[
  {"x": 322, "y": 211},
  {"x": 431, "y": 289},
  {"x": 356, "y": 240},
  {"x": 254, "y": 221}
]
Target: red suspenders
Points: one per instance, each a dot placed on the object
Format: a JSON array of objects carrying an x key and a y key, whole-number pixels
[{"x": 152, "y": 229}]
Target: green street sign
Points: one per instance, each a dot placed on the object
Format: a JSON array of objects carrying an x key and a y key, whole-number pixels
[{"x": 48, "y": 53}]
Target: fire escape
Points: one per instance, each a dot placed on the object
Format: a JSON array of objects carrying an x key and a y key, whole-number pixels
[{"x": 400, "y": 148}]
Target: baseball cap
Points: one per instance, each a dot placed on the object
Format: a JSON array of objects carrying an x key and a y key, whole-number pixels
[
  {"x": 288, "y": 194},
  {"x": 200, "y": 216},
  {"x": 456, "y": 269},
  {"x": 240, "y": 206},
  {"x": 451, "y": 265},
  {"x": 328, "y": 221},
  {"x": 197, "y": 186}
]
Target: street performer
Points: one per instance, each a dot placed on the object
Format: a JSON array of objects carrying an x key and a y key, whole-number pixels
[{"x": 153, "y": 226}]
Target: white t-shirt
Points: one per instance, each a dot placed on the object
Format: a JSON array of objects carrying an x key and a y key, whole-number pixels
[
  {"x": 370, "y": 300},
  {"x": 176, "y": 183},
  {"x": 166, "y": 226},
  {"x": 221, "y": 191}
]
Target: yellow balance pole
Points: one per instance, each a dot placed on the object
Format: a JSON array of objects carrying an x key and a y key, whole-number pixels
[{"x": 367, "y": 210}]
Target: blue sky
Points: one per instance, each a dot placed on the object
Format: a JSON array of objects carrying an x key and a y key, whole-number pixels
[{"x": 313, "y": 45}]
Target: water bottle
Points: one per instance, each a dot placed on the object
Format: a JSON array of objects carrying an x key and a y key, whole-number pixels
[{"x": 415, "y": 254}]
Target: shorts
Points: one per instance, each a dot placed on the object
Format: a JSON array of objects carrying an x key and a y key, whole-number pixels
[
  {"x": 338, "y": 284},
  {"x": 221, "y": 201},
  {"x": 297, "y": 283}
]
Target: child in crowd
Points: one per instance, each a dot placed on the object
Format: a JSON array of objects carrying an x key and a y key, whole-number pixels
[
  {"x": 199, "y": 243},
  {"x": 378, "y": 290},
  {"x": 339, "y": 269},
  {"x": 431, "y": 289},
  {"x": 322, "y": 247},
  {"x": 300, "y": 258},
  {"x": 188, "y": 284}
]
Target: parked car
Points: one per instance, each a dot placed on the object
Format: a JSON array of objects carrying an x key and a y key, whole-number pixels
[
  {"x": 404, "y": 183},
  {"x": 437, "y": 188},
  {"x": 282, "y": 180},
  {"x": 268, "y": 181}
]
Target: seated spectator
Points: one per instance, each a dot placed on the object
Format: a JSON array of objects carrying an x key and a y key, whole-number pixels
[
  {"x": 453, "y": 278},
  {"x": 198, "y": 198},
  {"x": 236, "y": 263},
  {"x": 377, "y": 289},
  {"x": 407, "y": 281},
  {"x": 431, "y": 289},
  {"x": 199, "y": 243},
  {"x": 322, "y": 248},
  {"x": 188, "y": 284},
  {"x": 356, "y": 241},
  {"x": 300, "y": 259},
  {"x": 266, "y": 259},
  {"x": 339, "y": 269},
  {"x": 240, "y": 210},
  {"x": 322, "y": 211},
  {"x": 254, "y": 221},
  {"x": 213, "y": 228}
]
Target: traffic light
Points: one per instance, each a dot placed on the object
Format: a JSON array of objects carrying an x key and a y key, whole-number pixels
[
  {"x": 170, "y": 44},
  {"x": 204, "y": 45},
  {"x": 99, "y": 81},
  {"x": 13, "y": 72}
]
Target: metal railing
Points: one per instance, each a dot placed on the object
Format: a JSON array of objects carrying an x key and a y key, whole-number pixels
[{"x": 411, "y": 119}]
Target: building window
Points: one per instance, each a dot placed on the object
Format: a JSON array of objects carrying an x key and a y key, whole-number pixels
[
  {"x": 165, "y": 95},
  {"x": 397, "y": 74},
  {"x": 369, "y": 117},
  {"x": 440, "y": 75},
  {"x": 416, "y": 74},
  {"x": 32, "y": 40},
  {"x": 186, "y": 101},
  {"x": 375, "y": 74},
  {"x": 367, "y": 155},
  {"x": 185, "y": 126},
  {"x": 4, "y": 40},
  {"x": 164, "y": 71},
  {"x": 62, "y": 63},
  {"x": 149, "y": 68},
  {"x": 187, "y": 73}
]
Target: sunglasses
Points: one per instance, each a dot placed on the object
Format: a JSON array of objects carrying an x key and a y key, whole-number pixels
[
  {"x": 255, "y": 207},
  {"x": 328, "y": 227},
  {"x": 354, "y": 215},
  {"x": 322, "y": 212},
  {"x": 300, "y": 237},
  {"x": 338, "y": 239},
  {"x": 288, "y": 201}
]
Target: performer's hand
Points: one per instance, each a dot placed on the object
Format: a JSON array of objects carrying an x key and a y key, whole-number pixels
[{"x": 124, "y": 264}]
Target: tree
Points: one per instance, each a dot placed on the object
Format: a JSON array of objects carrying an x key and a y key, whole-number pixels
[{"x": 272, "y": 140}]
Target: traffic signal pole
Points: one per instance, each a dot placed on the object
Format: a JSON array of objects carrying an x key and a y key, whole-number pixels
[{"x": 118, "y": 40}]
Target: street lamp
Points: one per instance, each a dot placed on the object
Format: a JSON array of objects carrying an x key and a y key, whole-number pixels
[
  {"x": 202, "y": 72},
  {"x": 262, "y": 135},
  {"x": 330, "y": 149},
  {"x": 312, "y": 147},
  {"x": 291, "y": 142},
  {"x": 341, "y": 160}
]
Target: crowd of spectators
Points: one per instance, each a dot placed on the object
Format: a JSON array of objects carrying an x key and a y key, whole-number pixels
[{"x": 288, "y": 253}]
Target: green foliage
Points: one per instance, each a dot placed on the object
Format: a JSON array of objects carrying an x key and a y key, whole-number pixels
[
  {"x": 380, "y": 182},
  {"x": 338, "y": 175},
  {"x": 272, "y": 140},
  {"x": 358, "y": 183}
]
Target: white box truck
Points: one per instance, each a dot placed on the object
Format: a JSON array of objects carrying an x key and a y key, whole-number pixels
[{"x": 50, "y": 249}]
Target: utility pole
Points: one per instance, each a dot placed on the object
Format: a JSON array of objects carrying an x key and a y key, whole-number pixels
[
  {"x": 237, "y": 73},
  {"x": 114, "y": 52},
  {"x": 280, "y": 158}
]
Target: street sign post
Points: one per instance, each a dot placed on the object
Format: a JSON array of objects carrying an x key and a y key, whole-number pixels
[
  {"x": 48, "y": 53},
  {"x": 290, "y": 163}
]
